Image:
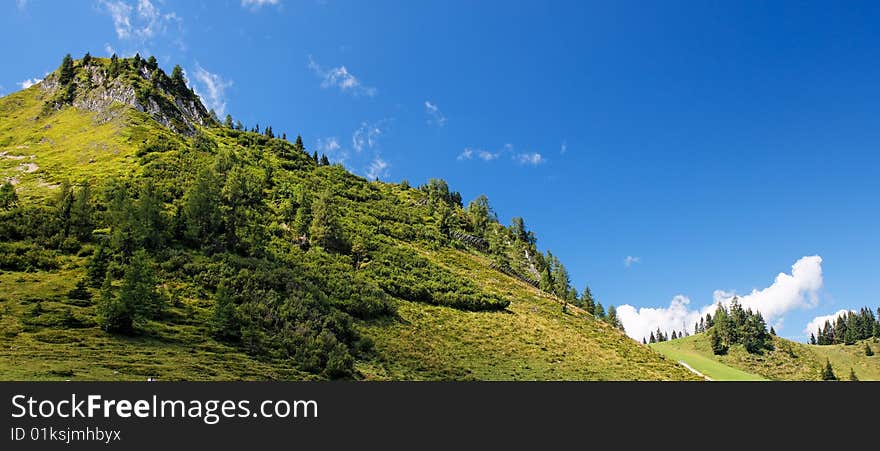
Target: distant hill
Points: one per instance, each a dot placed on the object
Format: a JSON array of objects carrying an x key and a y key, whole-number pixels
[
  {"x": 788, "y": 361},
  {"x": 142, "y": 236}
]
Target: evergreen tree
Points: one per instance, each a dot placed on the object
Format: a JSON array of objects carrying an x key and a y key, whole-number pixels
[
  {"x": 546, "y": 283},
  {"x": 239, "y": 126},
  {"x": 65, "y": 75},
  {"x": 80, "y": 291},
  {"x": 177, "y": 78},
  {"x": 63, "y": 206},
  {"x": 87, "y": 59},
  {"x": 652, "y": 339},
  {"x": 8, "y": 197},
  {"x": 150, "y": 219},
  {"x": 225, "y": 323},
  {"x": 600, "y": 311},
  {"x": 772, "y": 331},
  {"x": 113, "y": 314},
  {"x": 138, "y": 290},
  {"x": 587, "y": 300},
  {"x": 812, "y": 339},
  {"x": 613, "y": 319},
  {"x": 644, "y": 342},
  {"x": 81, "y": 214},
  {"x": 325, "y": 230},
  {"x": 228, "y": 122},
  {"x": 324, "y": 160},
  {"x": 298, "y": 144},
  {"x": 674, "y": 335},
  {"x": 202, "y": 206},
  {"x": 315, "y": 157},
  {"x": 718, "y": 346},
  {"x": 868, "y": 351},
  {"x": 480, "y": 215},
  {"x": 96, "y": 268},
  {"x": 152, "y": 63},
  {"x": 113, "y": 68},
  {"x": 303, "y": 215},
  {"x": 518, "y": 229},
  {"x": 827, "y": 373}
]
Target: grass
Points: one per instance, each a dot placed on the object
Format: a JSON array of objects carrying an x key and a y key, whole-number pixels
[
  {"x": 683, "y": 350},
  {"x": 788, "y": 360},
  {"x": 532, "y": 340}
]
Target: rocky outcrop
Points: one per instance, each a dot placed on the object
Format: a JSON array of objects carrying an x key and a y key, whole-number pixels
[{"x": 95, "y": 91}]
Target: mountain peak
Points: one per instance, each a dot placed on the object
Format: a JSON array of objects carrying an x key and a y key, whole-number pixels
[{"x": 96, "y": 84}]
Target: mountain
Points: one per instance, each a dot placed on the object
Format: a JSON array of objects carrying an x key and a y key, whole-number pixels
[
  {"x": 141, "y": 237},
  {"x": 786, "y": 361}
]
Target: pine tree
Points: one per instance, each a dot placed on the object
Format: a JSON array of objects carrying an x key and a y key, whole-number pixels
[
  {"x": 177, "y": 78},
  {"x": 113, "y": 314},
  {"x": 718, "y": 345},
  {"x": 652, "y": 339},
  {"x": 80, "y": 291},
  {"x": 325, "y": 230},
  {"x": 324, "y": 160},
  {"x": 87, "y": 59},
  {"x": 298, "y": 144},
  {"x": 587, "y": 300},
  {"x": 613, "y": 319},
  {"x": 812, "y": 339},
  {"x": 8, "y": 196},
  {"x": 772, "y": 331},
  {"x": 65, "y": 75},
  {"x": 228, "y": 121},
  {"x": 225, "y": 324},
  {"x": 644, "y": 342},
  {"x": 138, "y": 290},
  {"x": 202, "y": 206},
  {"x": 827, "y": 373},
  {"x": 600, "y": 311},
  {"x": 674, "y": 335},
  {"x": 81, "y": 214}
]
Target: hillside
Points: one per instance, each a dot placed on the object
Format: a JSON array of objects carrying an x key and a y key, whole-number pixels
[
  {"x": 788, "y": 361},
  {"x": 140, "y": 236}
]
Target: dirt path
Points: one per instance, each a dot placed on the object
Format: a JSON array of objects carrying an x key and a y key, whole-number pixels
[{"x": 692, "y": 370}]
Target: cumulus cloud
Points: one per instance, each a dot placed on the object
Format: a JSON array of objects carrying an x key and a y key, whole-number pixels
[
  {"x": 819, "y": 321},
  {"x": 532, "y": 158},
  {"x": 257, "y": 4},
  {"x": 465, "y": 154},
  {"x": 488, "y": 156},
  {"x": 630, "y": 260},
  {"x": 341, "y": 78},
  {"x": 28, "y": 82},
  {"x": 212, "y": 89},
  {"x": 435, "y": 116},
  {"x": 788, "y": 292}
]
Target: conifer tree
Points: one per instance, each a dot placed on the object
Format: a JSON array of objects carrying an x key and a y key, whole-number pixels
[
  {"x": 587, "y": 300},
  {"x": 812, "y": 339},
  {"x": 225, "y": 323},
  {"x": 827, "y": 373},
  {"x": 87, "y": 59},
  {"x": 138, "y": 290},
  {"x": 113, "y": 314},
  {"x": 65, "y": 75},
  {"x": 81, "y": 213},
  {"x": 325, "y": 230},
  {"x": 324, "y": 160},
  {"x": 177, "y": 78},
  {"x": 600, "y": 311},
  {"x": 868, "y": 351},
  {"x": 652, "y": 339},
  {"x": 228, "y": 121}
]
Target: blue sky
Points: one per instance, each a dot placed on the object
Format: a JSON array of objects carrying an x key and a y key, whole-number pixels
[{"x": 658, "y": 148}]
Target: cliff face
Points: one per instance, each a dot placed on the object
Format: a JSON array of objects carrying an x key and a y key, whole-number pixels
[{"x": 148, "y": 91}]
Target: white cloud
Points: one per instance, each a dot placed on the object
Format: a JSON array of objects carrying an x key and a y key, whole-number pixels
[
  {"x": 630, "y": 260},
  {"x": 788, "y": 292},
  {"x": 138, "y": 21},
  {"x": 377, "y": 168},
  {"x": 27, "y": 83},
  {"x": 341, "y": 78},
  {"x": 533, "y": 158},
  {"x": 436, "y": 116},
  {"x": 487, "y": 156},
  {"x": 465, "y": 154},
  {"x": 367, "y": 135},
  {"x": 214, "y": 88},
  {"x": 819, "y": 321},
  {"x": 257, "y": 4},
  {"x": 331, "y": 147}
]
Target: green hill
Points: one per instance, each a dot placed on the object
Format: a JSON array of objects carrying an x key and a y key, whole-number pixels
[
  {"x": 141, "y": 236},
  {"x": 788, "y": 361}
]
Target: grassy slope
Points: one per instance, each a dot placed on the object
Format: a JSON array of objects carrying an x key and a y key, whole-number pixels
[
  {"x": 788, "y": 361},
  {"x": 533, "y": 340}
]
